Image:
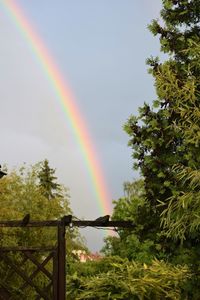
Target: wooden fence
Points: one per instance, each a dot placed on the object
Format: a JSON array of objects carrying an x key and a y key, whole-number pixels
[{"x": 15, "y": 259}]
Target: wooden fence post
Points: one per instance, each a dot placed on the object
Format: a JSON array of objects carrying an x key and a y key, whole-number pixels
[{"x": 61, "y": 290}]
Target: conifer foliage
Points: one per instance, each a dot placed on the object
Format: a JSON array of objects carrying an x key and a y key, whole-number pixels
[
  {"x": 165, "y": 138},
  {"x": 47, "y": 181}
]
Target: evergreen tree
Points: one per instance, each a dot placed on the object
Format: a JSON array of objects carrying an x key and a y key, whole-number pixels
[
  {"x": 47, "y": 181},
  {"x": 156, "y": 138},
  {"x": 165, "y": 138},
  {"x": 157, "y": 135}
]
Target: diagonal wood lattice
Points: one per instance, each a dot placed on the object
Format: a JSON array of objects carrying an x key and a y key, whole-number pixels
[
  {"x": 27, "y": 270},
  {"x": 37, "y": 272},
  {"x": 41, "y": 272}
]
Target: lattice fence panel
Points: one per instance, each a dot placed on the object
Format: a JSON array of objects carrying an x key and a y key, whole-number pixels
[{"x": 27, "y": 274}]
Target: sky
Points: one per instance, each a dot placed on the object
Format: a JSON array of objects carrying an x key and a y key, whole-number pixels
[{"x": 100, "y": 47}]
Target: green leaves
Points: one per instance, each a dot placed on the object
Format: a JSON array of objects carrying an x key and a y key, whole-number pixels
[
  {"x": 130, "y": 280},
  {"x": 21, "y": 194},
  {"x": 181, "y": 216},
  {"x": 166, "y": 138}
]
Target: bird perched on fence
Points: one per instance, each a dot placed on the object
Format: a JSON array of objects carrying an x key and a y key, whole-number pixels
[
  {"x": 25, "y": 220},
  {"x": 103, "y": 220},
  {"x": 2, "y": 173}
]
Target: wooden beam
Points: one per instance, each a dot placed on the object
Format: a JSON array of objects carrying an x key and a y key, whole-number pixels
[{"x": 81, "y": 223}]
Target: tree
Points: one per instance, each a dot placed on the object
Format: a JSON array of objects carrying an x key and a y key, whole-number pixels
[
  {"x": 165, "y": 138},
  {"x": 157, "y": 140},
  {"x": 20, "y": 194},
  {"x": 157, "y": 136},
  {"x": 142, "y": 242},
  {"x": 47, "y": 181}
]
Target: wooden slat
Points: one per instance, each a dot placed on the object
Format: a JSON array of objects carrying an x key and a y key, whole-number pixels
[
  {"x": 39, "y": 265},
  {"x": 45, "y": 289},
  {"x": 11, "y": 271},
  {"x": 37, "y": 270},
  {"x": 4, "y": 293},
  {"x": 29, "y": 249},
  {"x": 17, "y": 223},
  {"x": 25, "y": 277},
  {"x": 55, "y": 276}
]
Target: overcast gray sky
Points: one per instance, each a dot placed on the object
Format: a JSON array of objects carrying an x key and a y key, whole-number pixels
[{"x": 100, "y": 46}]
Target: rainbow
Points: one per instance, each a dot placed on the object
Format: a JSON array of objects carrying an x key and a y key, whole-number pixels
[{"x": 66, "y": 102}]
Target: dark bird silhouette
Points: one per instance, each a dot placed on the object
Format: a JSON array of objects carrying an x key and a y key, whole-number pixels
[
  {"x": 2, "y": 173},
  {"x": 103, "y": 220},
  {"x": 25, "y": 220}
]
